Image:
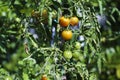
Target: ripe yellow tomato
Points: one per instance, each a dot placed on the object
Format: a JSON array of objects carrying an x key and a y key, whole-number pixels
[
  {"x": 64, "y": 22},
  {"x": 74, "y": 21},
  {"x": 44, "y": 16},
  {"x": 45, "y": 13},
  {"x": 66, "y": 34},
  {"x": 44, "y": 77}
]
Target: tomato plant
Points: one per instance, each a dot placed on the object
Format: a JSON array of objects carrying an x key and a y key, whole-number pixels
[
  {"x": 59, "y": 38},
  {"x": 44, "y": 40}
]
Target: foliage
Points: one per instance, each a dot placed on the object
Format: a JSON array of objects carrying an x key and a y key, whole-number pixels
[{"x": 32, "y": 46}]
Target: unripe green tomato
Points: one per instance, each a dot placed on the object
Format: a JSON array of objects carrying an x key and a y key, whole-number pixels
[
  {"x": 82, "y": 59},
  {"x": 77, "y": 45},
  {"x": 76, "y": 55},
  {"x": 67, "y": 54}
]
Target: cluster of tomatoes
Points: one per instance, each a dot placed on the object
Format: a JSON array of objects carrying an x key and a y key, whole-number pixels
[
  {"x": 67, "y": 35},
  {"x": 66, "y": 22},
  {"x": 74, "y": 54},
  {"x": 68, "y": 54}
]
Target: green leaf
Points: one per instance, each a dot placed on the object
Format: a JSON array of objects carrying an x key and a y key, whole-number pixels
[
  {"x": 108, "y": 22},
  {"x": 99, "y": 64},
  {"x": 26, "y": 11},
  {"x": 100, "y": 6},
  {"x": 113, "y": 10},
  {"x": 25, "y": 76},
  {"x": 85, "y": 50},
  {"x": 2, "y": 49},
  {"x": 93, "y": 77},
  {"x": 50, "y": 19},
  {"x": 33, "y": 42},
  {"x": 112, "y": 18}
]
